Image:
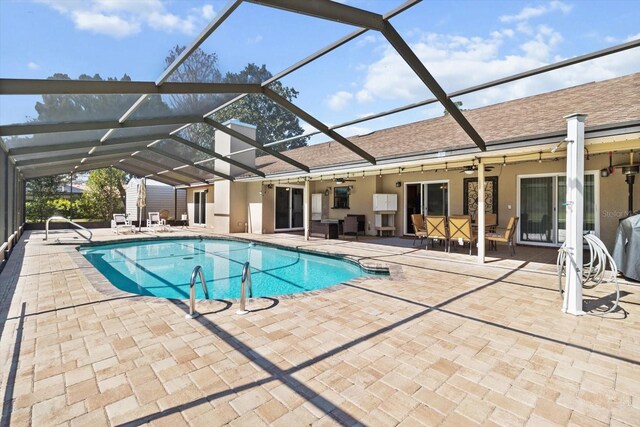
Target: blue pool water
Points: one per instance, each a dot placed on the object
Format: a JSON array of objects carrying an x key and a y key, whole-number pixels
[{"x": 163, "y": 268}]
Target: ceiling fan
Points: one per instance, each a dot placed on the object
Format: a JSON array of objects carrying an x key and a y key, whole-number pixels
[
  {"x": 473, "y": 168},
  {"x": 343, "y": 180}
]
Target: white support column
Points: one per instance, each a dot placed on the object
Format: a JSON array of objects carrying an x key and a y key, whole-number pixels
[
  {"x": 306, "y": 207},
  {"x": 572, "y": 303},
  {"x": 480, "y": 212}
]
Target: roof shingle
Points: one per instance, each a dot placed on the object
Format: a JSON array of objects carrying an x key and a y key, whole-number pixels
[{"x": 606, "y": 103}]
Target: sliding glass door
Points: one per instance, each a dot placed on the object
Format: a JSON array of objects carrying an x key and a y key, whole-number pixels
[
  {"x": 589, "y": 206},
  {"x": 289, "y": 209},
  {"x": 200, "y": 207},
  {"x": 542, "y": 210},
  {"x": 425, "y": 198}
]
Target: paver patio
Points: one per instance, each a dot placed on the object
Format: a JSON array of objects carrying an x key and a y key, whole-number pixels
[{"x": 441, "y": 341}]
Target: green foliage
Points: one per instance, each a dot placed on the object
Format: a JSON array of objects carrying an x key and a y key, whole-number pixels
[
  {"x": 59, "y": 207},
  {"x": 42, "y": 192},
  {"x": 61, "y": 108},
  {"x": 272, "y": 121},
  {"x": 457, "y": 104},
  {"x": 199, "y": 67},
  {"x": 105, "y": 193}
]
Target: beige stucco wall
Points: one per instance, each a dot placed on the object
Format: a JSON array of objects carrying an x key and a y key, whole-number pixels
[
  {"x": 612, "y": 203},
  {"x": 210, "y": 205},
  {"x": 613, "y": 191},
  {"x": 360, "y": 200},
  {"x": 226, "y": 206}
]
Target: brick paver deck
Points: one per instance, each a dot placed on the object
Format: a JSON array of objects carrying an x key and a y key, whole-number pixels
[{"x": 442, "y": 341}]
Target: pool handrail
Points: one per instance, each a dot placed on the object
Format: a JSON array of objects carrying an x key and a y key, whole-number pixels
[
  {"x": 61, "y": 218},
  {"x": 246, "y": 279},
  {"x": 192, "y": 291}
]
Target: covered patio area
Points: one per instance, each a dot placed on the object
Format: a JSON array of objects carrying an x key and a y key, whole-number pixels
[{"x": 438, "y": 341}]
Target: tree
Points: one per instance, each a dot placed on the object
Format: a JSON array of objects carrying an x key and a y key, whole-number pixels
[
  {"x": 105, "y": 193},
  {"x": 60, "y": 108},
  {"x": 42, "y": 192},
  {"x": 273, "y": 121},
  {"x": 458, "y": 104},
  {"x": 199, "y": 67}
]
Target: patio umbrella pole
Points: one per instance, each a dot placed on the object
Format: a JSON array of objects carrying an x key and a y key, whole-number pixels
[{"x": 142, "y": 200}]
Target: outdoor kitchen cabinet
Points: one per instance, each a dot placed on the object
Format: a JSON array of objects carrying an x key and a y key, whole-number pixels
[{"x": 384, "y": 212}]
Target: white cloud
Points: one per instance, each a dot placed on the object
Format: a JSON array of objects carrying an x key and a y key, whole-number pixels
[
  {"x": 367, "y": 39},
  {"x": 208, "y": 12},
  {"x": 364, "y": 96},
  {"x": 339, "y": 100},
  {"x": 459, "y": 62},
  {"x": 33, "y": 66},
  {"x": 255, "y": 39},
  {"x": 110, "y": 25},
  {"x": 123, "y": 18},
  {"x": 348, "y": 131},
  {"x": 633, "y": 37},
  {"x": 170, "y": 23},
  {"x": 535, "y": 12}
]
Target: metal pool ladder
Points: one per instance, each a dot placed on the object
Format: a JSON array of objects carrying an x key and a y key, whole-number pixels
[
  {"x": 61, "y": 218},
  {"x": 192, "y": 291},
  {"x": 246, "y": 278}
]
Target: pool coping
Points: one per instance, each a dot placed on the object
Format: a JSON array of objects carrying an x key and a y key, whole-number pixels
[{"x": 377, "y": 271}]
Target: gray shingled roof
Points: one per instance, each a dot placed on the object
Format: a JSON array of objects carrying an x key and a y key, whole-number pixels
[{"x": 606, "y": 103}]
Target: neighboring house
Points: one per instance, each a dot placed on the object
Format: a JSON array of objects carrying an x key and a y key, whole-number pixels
[
  {"x": 160, "y": 197},
  {"x": 70, "y": 192},
  {"x": 422, "y": 164}
]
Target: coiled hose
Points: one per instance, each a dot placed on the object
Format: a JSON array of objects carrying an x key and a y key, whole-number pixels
[{"x": 594, "y": 272}]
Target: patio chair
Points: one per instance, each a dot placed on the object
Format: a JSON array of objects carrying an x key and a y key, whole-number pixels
[
  {"x": 121, "y": 223},
  {"x": 350, "y": 225},
  {"x": 155, "y": 223},
  {"x": 419, "y": 228},
  {"x": 437, "y": 230},
  {"x": 460, "y": 230},
  {"x": 506, "y": 237},
  {"x": 490, "y": 222}
]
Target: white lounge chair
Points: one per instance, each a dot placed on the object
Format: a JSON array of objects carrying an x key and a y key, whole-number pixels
[
  {"x": 121, "y": 223},
  {"x": 155, "y": 223}
]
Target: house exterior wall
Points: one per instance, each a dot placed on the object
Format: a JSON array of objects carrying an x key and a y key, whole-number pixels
[
  {"x": 360, "y": 200},
  {"x": 613, "y": 191},
  {"x": 611, "y": 200},
  {"x": 209, "y": 208},
  {"x": 159, "y": 197},
  {"x": 254, "y": 192}
]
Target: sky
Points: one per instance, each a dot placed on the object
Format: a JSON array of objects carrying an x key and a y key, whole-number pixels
[{"x": 462, "y": 43}]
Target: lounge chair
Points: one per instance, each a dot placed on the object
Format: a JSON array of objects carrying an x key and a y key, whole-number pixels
[
  {"x": 155, "y": 223},
  {"x": 437, "y": 229},
  {"x": 506, "y": 237},
  {"x": 460, "y": 230},
  {"x": 419, "y": 228},
  {"x": 121, "y": 223}
]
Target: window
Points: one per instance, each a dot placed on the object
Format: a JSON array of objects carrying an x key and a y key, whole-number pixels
[{"x": 341, "y": 197}]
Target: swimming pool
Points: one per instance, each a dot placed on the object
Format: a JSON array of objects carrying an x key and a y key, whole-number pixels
[{"x": 162, "y": 268}]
